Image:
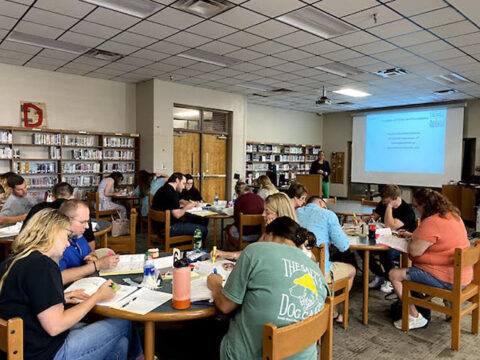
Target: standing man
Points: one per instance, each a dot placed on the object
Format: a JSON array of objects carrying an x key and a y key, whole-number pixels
[
  {"x": 168, "y": 198},
  {"x": 19, "y": 203},
  {"x": 322, "y": 167},
  {"x": 78, "y": 260},
  {"x": 396, "y": 215}
]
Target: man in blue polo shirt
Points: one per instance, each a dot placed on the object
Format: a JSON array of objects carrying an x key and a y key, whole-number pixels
[{"x": 78, "y": 260}]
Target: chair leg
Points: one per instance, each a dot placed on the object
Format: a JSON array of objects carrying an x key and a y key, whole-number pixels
[
  {"x": 326, "y": 344},
  {"x": 405, "y": 308},
  {"x": 456, "y": 325},
  {"x": 345, "y": 308},
  {"x": 475, "y": 314}
]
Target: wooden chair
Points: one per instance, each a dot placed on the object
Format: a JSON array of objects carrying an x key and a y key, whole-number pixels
[
  {"x": 182, "y": 242},
  {"x": 144, "y": 219},
  {"x": 124, "y": 243},
  {"x": 11, "y": 338},
  {"x": 245, "y": 220},
  {"x": 331, "y": 200},
  {"x": 279, "y": 343},
  {"x": 93, "y": 200},
  {"x": 369, "y": 202},
  {"x": 340, "y": 286},
  {"x": 456, "y": 297}
]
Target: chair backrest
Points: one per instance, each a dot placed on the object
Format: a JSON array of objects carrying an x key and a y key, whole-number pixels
[
  {"x": 92, "y": 202},
  {"x": 369, "y": 202},
  {"x": 279, "y": 343},
  {"x": 463, "y": 258},
  {"x": 331, "y": 200},
  {"x": 11, "y": 338},
  {"x": 319, "y": 253},
  {"x": 249, "y": 220}
]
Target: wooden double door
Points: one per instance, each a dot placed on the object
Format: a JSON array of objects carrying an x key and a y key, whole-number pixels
[{"x": 205, "y": 157}]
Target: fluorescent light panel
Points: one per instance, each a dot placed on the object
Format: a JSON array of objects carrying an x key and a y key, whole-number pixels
[
  {"x": 351, "y": 92},
  {"x": 449, "y": 79},
  {"x": 317, "y": 22},
  {"x": 138, "y": 8},
  {"x": 340, "y": 69},
  {"x": 44, "y": 42},
  {"x": 208, "y": 57}
]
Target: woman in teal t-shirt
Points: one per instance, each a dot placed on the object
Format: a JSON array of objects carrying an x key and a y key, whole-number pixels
[{"x": 272, "y": 282}]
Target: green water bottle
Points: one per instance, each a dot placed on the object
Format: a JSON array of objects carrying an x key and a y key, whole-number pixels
[{"x": 197, "y": 239}]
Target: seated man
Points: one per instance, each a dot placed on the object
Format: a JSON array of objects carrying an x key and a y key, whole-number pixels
[
  {"x": 78, "y": 260},
  {"x": 168, "y": 198},
  {"x": 18, "y": 204},
  {"x": 396, "y": 215},
  {"x": 324, "y": 224}
]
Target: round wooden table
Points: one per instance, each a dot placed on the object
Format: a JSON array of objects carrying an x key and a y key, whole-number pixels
[
  {"x": 164, "y": 313},
  {"x": 215, "y": 218},
  {"x": 131, "y": 198},
  {"x": 103, "y": 228}
]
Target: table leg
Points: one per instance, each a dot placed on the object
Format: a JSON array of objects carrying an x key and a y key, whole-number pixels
[
  {"x": 214, "y": 232},
  {"x": 366, "y": 269},
  {"x": 149, "y": 345},
  {"x": 221, "y": 233}
]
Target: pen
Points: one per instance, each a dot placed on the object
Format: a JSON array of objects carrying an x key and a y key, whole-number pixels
[
  {"x": 215, "y": 271},
  {"x": 355, "y": 218},
  {"x": 128, "y": 302},
  {"x": 213, "y": 254},
  {"x": 114, "y": 286}
]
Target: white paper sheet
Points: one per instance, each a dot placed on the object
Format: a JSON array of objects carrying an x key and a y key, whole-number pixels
[
  {"x": 142, "y": 301},
  {"x": 11, "y": 231},
  {"x": 394, "y": 242},
  {"x": 133, "y": 264}
]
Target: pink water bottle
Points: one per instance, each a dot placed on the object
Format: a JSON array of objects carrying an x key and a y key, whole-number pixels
[{"x": 181, "y": 284}]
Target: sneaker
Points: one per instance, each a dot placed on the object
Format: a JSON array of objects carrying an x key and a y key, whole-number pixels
[
  {"x": 413, "y": 323},
  {"x": 386, "y": 287},
  {"x": 377, "y": 280}
]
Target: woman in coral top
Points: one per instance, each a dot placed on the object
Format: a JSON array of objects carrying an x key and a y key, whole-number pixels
[{"x": 432, "y": 248}]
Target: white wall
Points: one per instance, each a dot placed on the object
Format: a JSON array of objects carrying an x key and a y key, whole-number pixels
[
  {"x": 72, "y": 102},
  {"x": 278, "y": 125}
]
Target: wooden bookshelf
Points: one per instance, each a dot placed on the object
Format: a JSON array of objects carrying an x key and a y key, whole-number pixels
[
  {"x": 76, "y": 157},
  {"x": 288, "y": 159}
]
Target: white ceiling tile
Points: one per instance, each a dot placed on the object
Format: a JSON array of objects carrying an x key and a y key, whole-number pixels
[
  {"x": 24, "y": 2},
  {"x": 175, "y": 18},
  {"x": 12, "y": 9},
  {"x": 269, "y": 72},
  {"x": 342, "y": 55},
  {"x": 178, "y": 61},
  {"x": 153, "y": 30},
  {"x": 162, "y": 67},
  {"x": 437, "y": 18},
  {"x": 93, "y": 29},
  {"x": 239, "y": 18},
  {"x": 289, "y": 67},
  {"x": 444, "y": 54},
  {"x": 298, "y": 39},
  {"x": 79, "y": 66},
  {"x": 465, "y": 40},
  {"x": 429, "y": 47},
  {"x": 119, "y": 67},
  {"x": 3, "y": 33},
  {"x": 268, "y": 61},
  {"x": 354, "y": 39},
  {"x": 365, "y": 19},
  {"x": 394, "y": 28},
  {"x": 461, "y": 60},
  {"x": 186, "y": 72},
  {"x": 87, "y": 60},
  {"x": 48, "y": 60},
  {"x": 111, "y": 18},
  {"x": 11, "y": 61},
  {"x": 364, "y": 60},
  {"x": 245, "y": 55},
  {"x": 37, "y": 29},
  {"x": 344, "y": 7},
  {"x": 23, "y": 48},
  {"x": 271, "y": 29},
  {"x": 81, "y": 39},
  {"x": 8, "y": 22},
  {"x": 117, "y": 47},
  {"x": 314, "y": 61},
  {"x": 203, "y": 67},
  {"x": 455, "y": 29},
  {"x": 108, "y": 71},
  {"x": 137, "y": 61},
  {"x": 269, "y": 47},
  {"x": 136, "y": 40},
  {"x": 99, "y": 75},
  {"x": 150, "y": 55},
  {"x": 227, "y": 72},
  {"x": 293, "y": 55},
  {"x": 41, "y": 66},
  {"x": 247, "y": 67},
  {"x": 414, "y": 7},
  {"x": 74, "y": 8},
  {"x": 273, "y": 8},
  {"x": 212, "y": 29},
  {"x": 418, "y": 37},
  {"x": 45, "y": 17},
  {"x": 167, "y": 48},
  {"x": 218, "y": 47},
  {"x": 188, "y": 40},
  {"x": 471, "y": 49},
  {"x": 322, "y": 47},
  {"x": 23, "y": 57},
  {"x": 242, "y": 39},
  {"x": 470, "y": 8}
]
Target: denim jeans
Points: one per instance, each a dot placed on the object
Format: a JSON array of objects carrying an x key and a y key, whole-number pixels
[
  {"x": 387, "y": 259},
  {"x": 187, "y": 228},
  {"x": 109, "y": 339},
  {"x": 422, "y": 277}
]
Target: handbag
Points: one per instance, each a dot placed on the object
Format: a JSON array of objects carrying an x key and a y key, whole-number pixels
[{"x": 120, "y": 227}]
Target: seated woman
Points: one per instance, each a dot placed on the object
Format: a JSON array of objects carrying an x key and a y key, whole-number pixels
[
  {"x": 272, "y": 282},
  {"x": 107, "y": 189},
  {"x": 148, "y": 183},
  {"x": 31, "y": 288},
  {"x": 246, "y": 203},
  {"x": 298, "y": 194},
  {"x": 265, "y": 187},
  {"x": 431, "y": 249},
  {"x": 190, "y": 193}
]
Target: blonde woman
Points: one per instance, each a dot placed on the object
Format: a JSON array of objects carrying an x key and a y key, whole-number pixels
[
  {"x": 31, "y": 288},
  {"x": 265, "y": 187}
]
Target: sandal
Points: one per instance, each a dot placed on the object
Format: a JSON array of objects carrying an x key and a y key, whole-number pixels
[{"x": 336, "y": 320}]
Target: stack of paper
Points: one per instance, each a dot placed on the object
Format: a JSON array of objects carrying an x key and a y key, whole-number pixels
[
  {"x": 133, "y": 264},
  {"x": 10, "y": 231},
  {"x": 395, "y": 242}
]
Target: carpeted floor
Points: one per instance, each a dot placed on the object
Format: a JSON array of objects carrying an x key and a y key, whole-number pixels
[{"x": 377, "y": 340}]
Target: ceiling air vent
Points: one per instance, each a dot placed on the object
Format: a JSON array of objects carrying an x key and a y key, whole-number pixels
[
  {"x": 389, "y": 73},
  {"x": 103, "y": 55},
  {"x": 204, "y": 8},
  {"x": 445, "y": 92}
]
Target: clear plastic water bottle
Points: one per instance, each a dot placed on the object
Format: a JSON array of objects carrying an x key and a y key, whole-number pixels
[
  {"x": 197, "y": 239},
  {"x": 149, "y": 278},
  {"x": 215, "y": 200}
]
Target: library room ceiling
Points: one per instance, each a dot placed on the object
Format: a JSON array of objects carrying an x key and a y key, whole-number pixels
[{"x": 276, "y": 52}]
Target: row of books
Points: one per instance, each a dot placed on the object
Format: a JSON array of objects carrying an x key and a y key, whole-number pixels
[
  {"x": 86, "y": 154},
  {"x": 6, "y": 153},
  {"x": 41, "y": 182},
  {"x": 82, "y": 180},
  {"x": 75, "y": 167},
  {"x": 121, "y": 167},
  {"x": 293, "y": 150},
  {"x": 5, "y": 137},
  {"x": 35, "y": 167},
  {"x": 312, "y": 151},
  {"x": 55, "y": 153},
  {"x": 109, "y": 141},
  {"x": 119, "y": 154},
  {"x": 76, "y": 140},
  {"x": 46, "y": 139}
]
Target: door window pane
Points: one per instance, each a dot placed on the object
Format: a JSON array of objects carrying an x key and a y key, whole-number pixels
[
  {"x": 184, "y": 118},
  {"x": 215, "y": 121}
]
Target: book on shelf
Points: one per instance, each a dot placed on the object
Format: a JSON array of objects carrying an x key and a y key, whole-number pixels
[
  {"x": 109, "y": 167},
  {"x": 6, "y": 153},
  {"x": 55, "y": 153},
  {"x": 78, "y": 140},
  {"x": 79, "y": 167},
  {"x": 5, "y": 137},
  {"x": 82, "y": 180},
  {"x": 41, "y": 182},
  {"x": 35, "y": 168},
  {"x": 118, "y": 141},
  {"x": 46, "y": 139},
  {"x": 86, "y": 154}
]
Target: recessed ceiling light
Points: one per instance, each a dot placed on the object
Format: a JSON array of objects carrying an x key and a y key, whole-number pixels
[
  {"x": 204, "y": 8},
  {"x": 351, "y": 92},
  {"x": 208, "y": 57},
  {"x": 448, "y": 79},
  {"x": 340, "y": 69},
  {"x": 44, "y": 42},
  {"x": 317, "y": 22},
  {"x": 138, "y": 8}
]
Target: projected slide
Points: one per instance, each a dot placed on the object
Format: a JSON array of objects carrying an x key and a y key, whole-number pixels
[{"x": 406, "y": 142}]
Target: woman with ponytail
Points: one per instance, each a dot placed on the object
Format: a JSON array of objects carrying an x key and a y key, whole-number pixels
[
  {"x": 272, "y": 282},
  {"x": 431, "y": 248},
  {"x": 31, "y": 288}
]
